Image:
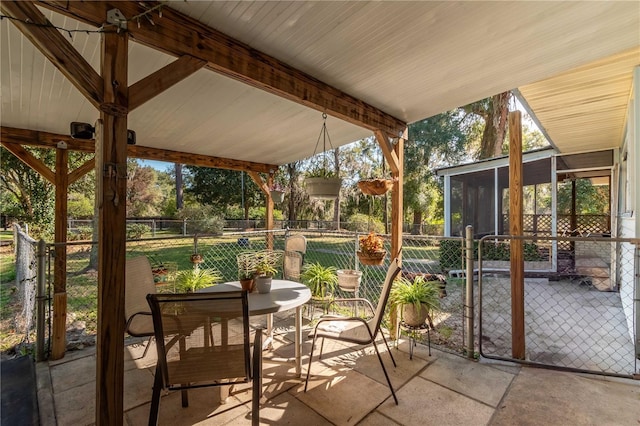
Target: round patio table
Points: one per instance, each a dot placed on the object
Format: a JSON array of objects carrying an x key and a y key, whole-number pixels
[{"x": 284, "y": 295}]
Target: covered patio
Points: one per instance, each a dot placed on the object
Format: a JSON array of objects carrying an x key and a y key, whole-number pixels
[
  {"x": 242, "y": 85},
  {"x": 434, "y": 388}
]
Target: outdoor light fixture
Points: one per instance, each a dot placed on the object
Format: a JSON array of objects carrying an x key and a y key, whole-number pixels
[
  {"x": 82, "y": 130},
  {"x": 86, "y": 131},
  {"x": 131, "y": 137}
]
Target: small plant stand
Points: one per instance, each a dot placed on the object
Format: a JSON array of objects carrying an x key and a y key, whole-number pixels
[{"x": 414, "y": 333}]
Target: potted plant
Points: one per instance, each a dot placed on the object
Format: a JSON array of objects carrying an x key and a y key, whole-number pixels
[
  {"x": 322, "y": 184},
  {"x": 265, "y": 271},
  {"x": 247, "y": 270},
  {"x": 375, "y": 186},
  {"x": 159, "y": 270},
  {"x": 194, "y": 279},
  {"x": 418, "y": 298},
  {"x": 277, "y": 193},
  {"x": 372, "y": 250},
  {"x": 321, "y": 280}
]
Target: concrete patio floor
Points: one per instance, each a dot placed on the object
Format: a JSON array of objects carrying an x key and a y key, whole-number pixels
[{"x": 348, "y": 388}]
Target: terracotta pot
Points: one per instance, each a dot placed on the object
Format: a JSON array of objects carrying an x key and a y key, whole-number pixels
[
  {"x": 375, "y": 186},
  {"x": 413, "y": 317},
  {"x": 376, "y": 258},
  {"x": 248, "y": 284}
]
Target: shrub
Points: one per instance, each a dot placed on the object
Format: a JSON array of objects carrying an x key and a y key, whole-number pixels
[
  {"x": 81, "y": 233},
  {"x": 362, "y": 223},
  {"x": 202, "y": 219},
  {"x": 136, "y": 230}
]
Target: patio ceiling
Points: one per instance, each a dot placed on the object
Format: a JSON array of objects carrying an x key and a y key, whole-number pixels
[{"x": 410, "y": 60}]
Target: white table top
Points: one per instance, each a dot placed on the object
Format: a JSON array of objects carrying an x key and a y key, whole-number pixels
[{"x": 284, "y": 295}]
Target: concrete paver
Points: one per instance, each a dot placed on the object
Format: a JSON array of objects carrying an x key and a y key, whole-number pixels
[{"x": 347, "y": 387}]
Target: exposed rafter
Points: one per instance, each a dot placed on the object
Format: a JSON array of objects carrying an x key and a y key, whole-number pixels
[
  {"x": 178, "y": 35},
  {"x": 12, "y": 135},
  {"x": 153, "y": 84}
]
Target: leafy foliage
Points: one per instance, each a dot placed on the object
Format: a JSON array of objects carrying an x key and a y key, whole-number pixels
[
  {"x": 203, "y": 219},
  {"x": 359, "y": 222},
  {"x": 372, "y": 243},
  {"x": 321, "y": 280},
  {"x": 195, "y": 279},
  {"x": 417, "y": 292}
]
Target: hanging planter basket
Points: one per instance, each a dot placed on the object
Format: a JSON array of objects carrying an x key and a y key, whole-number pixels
[
  {"x": 375, "y": 186},
  {"x": 323, "y": 188},
  {"x": 277, "y": 196},
  {"x": 372, "y": 258}
]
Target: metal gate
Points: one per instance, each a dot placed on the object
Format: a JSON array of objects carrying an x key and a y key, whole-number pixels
[{"x": 581, "y": 306}]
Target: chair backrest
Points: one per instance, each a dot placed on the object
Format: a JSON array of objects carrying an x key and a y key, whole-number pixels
[
  {"x": 296, "y": 242},
  {"x": 138, "y": 283},
  {"x": 392, "y": 273},
  {"x": 292, "y": 267},
  {"x": 201, "y": 338}
]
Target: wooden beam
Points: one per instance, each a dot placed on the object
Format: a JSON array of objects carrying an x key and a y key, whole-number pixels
[
  {"x": 161, "y": 80},
  {"x": 56, "y": 48},
  {"x": 178, "y": 35},
  {"x": 111, "y": 173},
  {"x": 30, "y": 160},
  {"x": 149, "y": 153},
  {"x": 388, "y": 150},
  {"x": 397, "y": 199},
  {"x": 82, "y": 170},
  {"x": 16, "y": 136},
  {"x": 516, "y": 229}
]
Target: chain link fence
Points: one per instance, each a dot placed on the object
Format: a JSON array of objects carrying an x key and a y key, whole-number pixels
[
  {"x": 579, "y": 316},
  {"x": 421, "y": 255},
  {"x": 23, "y": 321}
]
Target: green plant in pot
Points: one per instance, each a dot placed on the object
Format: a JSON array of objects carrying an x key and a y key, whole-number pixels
[
  {"x": 321, "y": 280},
  {"x": 194, "y": 279},
  {"x": 247, "y": 270},
  {"x": 418, "y": 298},
  {"x": 265, "y": 270}
]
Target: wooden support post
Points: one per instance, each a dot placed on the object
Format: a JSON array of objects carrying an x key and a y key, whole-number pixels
[
  {"x": 266, "y": 188},
  {"x": 515, "y": 229},
  {"x": 59, "y": 332},
  {"x": 397, "y": 200},
  {"x": 111, "y": 174}
]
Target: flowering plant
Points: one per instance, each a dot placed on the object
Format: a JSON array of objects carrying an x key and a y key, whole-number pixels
[{"x": 372, "y": 243}]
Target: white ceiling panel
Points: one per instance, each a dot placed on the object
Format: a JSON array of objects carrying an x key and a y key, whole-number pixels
[{"x": 409, "y": 59}]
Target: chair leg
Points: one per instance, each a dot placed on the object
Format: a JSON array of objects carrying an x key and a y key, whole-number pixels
[
  {"x": 313, "y": 345},
  {"x": 384, "y": 370},
  {"x": 155, "y": 399},
  {"x": 257, "y": 379},
  {"x": 388, "y": 350},
  {"x": 321, "y": 348},
  {"x": 146, "y": 349}
]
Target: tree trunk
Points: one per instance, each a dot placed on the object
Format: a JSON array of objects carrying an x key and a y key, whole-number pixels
[
  {"x": 417, "y": 223},
  {"x": 179, "y": 194},
  {"x": 495, "y": 127}
]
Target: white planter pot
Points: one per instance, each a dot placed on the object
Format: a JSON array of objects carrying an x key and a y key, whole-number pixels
[
  {"x": 323, "y": 188},
  {"x": 263, "y": 284},
  {"x": 349, "y": 279}
]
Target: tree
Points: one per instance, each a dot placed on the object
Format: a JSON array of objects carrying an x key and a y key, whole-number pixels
[
  {"x": 433, "y": 142},
  {"x": 223, "y": 188},
  {"x": 494, "y": 112},
  {"x": 143, "y": 194}
]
